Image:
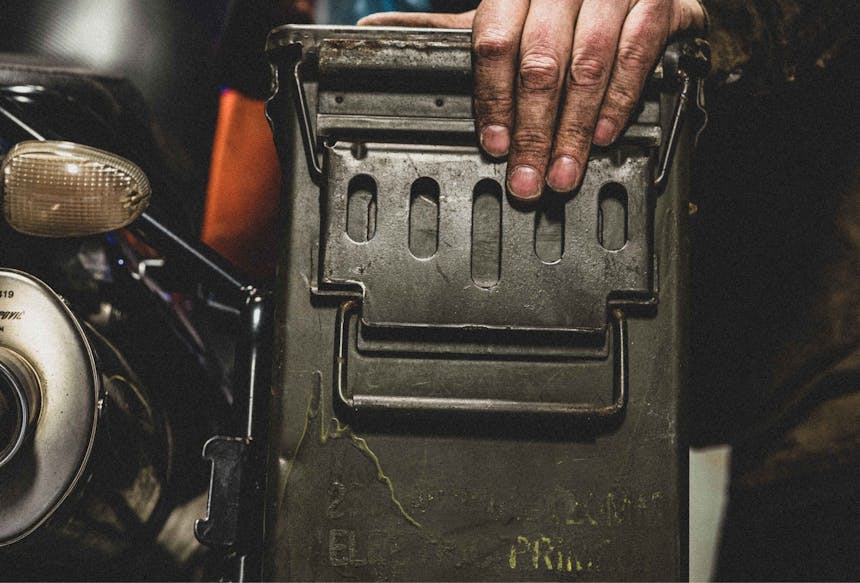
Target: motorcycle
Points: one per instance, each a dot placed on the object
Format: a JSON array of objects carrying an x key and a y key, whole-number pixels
[{"x": 125, "y": 343}]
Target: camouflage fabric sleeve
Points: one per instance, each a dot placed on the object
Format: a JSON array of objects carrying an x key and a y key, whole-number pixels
[{"x": 767, "y": 42}]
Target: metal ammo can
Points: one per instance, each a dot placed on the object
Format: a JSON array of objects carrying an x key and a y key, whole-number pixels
[
  {"x": 84, "y": 458},
  {"x": 467, "y": 388}
]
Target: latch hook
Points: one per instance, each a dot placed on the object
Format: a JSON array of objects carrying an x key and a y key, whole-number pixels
[{"x": 691, "y": 62}]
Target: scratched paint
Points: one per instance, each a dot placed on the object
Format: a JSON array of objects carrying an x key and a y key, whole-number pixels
[
  {"x": 364, "y": 448},
  {"x": 335, "y": 430},
  {"x": 557, "y": 551}
]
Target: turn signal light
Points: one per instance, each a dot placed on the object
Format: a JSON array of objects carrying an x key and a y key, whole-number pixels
[{"x": 62, "y": 189}]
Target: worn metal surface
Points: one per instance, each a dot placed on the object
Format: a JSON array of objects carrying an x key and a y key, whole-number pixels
[
  {"x": 566, "y": 292},
  {"x": 424, "y": 348},
  {"x": 493, "y": 387}
]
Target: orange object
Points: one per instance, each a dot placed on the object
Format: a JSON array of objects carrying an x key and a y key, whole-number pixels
[{"x": 241, "y": 216}]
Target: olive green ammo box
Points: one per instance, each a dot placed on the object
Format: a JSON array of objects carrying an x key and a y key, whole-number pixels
[{"x": 467, "y": 388}]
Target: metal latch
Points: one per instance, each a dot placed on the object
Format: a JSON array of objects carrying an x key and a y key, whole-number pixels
[
  {"x": 233, "y": 522},
  {"x": 229, "y": 457},
  {"x": 690, "y": 63}
]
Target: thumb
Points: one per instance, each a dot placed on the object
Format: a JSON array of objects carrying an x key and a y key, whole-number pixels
[{"x": 419, "y": 19}]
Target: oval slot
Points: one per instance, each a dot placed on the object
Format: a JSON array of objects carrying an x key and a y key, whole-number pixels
[
  {"x": 486, "y": 233},
  {"x": 549, "y": 229},
  {"x": 612, "y": 216},
  {"x": 424, "y": 218},
  {"x": 361, "y": 208}
]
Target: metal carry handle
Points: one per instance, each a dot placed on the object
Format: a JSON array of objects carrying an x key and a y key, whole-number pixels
[
  {"x": 304, "y": 114},
  {"x": 684, "y": 63},
  {"x": 583, "y": 412}
]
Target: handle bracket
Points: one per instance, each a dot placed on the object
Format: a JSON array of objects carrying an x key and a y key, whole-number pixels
[{"x": 580, "y": 412}]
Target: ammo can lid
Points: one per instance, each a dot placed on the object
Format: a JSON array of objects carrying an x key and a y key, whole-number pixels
[{"x": 49, "y": 402}]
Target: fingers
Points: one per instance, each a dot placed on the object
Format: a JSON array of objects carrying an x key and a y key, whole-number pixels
[
  {"x": 595, "y": 40},
  {"x": 496, "y": 34},
  {"x": 544, "y": 54},
  {"x": 419, "y": 19},
  {"x": 592, "y": 55},
  {"x": 642, "y": 38},
  {"x": 688, "y": 15}
]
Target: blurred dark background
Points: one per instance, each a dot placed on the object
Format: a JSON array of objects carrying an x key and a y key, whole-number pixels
[{"x": 167, "y": 48}]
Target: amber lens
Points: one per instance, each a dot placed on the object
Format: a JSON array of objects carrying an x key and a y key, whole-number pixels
[{"x": 61, "y": 189}]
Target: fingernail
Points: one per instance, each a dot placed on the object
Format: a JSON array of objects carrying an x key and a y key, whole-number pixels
[
  {"x": 604, "y": 133},
  {"x": 525, "y": 183},
  {"x": 563, "y": 174},
  {"x": 496, "y": 140}
]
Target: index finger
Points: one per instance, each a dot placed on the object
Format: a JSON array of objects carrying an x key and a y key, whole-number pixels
[{"x": 496, "y": 34}]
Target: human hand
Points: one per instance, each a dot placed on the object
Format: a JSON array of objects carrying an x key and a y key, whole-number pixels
[{"x": 554, "y": 76}]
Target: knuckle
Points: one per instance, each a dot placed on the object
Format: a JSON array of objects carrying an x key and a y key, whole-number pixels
[
  {"x": 655, "y": 10},
  {"x": 540, "y": 71},
  {"x": 493, "y": 45},
  {"x": 588, "y": 71},
  {"x": 531, "y": 142},
  {"x": 573, "y": 138},
  {"x": 491, "y": 106},
  {"x": 636, "y": 55},
  {"x": 622, "y": 99}
]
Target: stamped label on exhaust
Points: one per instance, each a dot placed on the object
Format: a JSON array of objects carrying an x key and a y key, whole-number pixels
[{"x": 7, "y": 315}]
